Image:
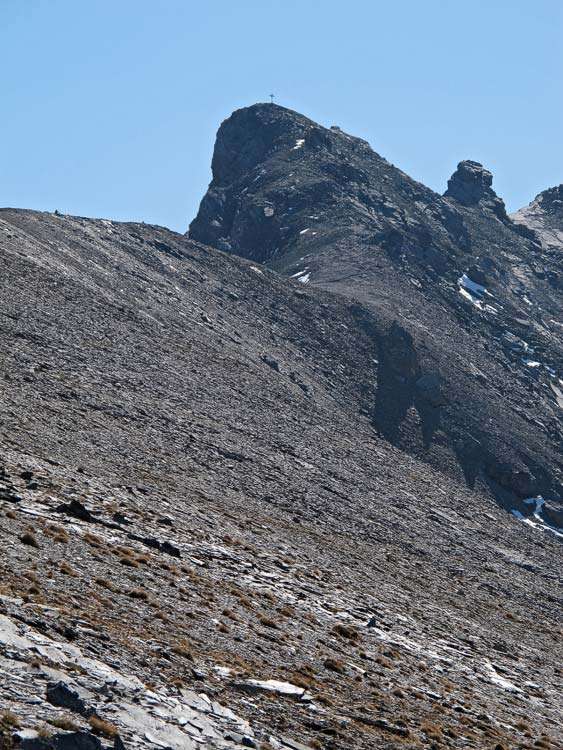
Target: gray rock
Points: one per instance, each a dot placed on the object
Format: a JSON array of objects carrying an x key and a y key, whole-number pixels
[
  {"x": 76, "y": 509},
  {"x": 271, "y": 362},
  {"x": 61, "y": 694},
  {"x": 66, "y": 741},
  {"x": 553, "y": 515}
]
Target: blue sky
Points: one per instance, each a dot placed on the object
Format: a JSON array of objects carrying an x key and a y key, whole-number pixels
[{"x": 110, "y": 108}]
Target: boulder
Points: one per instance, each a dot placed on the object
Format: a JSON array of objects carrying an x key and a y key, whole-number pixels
[
  {"x": 469, "y": 183},
  {"x": 72, "y": 698},
  {"x": 77, "y": 510}
]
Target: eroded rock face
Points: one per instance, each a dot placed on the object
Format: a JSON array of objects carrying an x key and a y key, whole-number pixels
[{"x": 244, "y": 142}]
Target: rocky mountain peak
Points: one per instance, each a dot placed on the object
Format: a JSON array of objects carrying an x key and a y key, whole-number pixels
[
  {"x": 471, "y": 184},
  {"x": 249, "y": 135},
  {"x": 268, "y": 162},
  {"x": 553, "y": 196}
]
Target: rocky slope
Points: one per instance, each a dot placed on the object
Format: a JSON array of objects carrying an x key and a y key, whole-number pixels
[
  {"x": 464, "y": 303},
  {"x": 207, "y": 544},
  {"x": 544, "y": 216}
]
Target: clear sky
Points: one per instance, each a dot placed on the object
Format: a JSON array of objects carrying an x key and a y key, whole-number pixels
[{"x": 110, "y": 107}]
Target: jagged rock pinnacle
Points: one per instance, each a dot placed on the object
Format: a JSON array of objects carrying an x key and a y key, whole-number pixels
[{"x": 471, "y": 184}]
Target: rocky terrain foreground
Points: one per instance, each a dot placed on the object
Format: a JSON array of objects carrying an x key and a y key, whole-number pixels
[{"x": 244, "y": 510}]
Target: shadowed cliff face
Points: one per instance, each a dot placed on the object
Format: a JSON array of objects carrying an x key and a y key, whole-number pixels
[{"x": 475, "y": 293}]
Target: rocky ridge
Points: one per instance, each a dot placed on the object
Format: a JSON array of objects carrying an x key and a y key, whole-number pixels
[{"x": 544, "y": 216}]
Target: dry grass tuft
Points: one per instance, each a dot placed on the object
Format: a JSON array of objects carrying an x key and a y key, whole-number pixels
[
  {"x": 67, "y": 569},
  {"x": 182, "y": 648},
  {"x": 138, "y": 594},
  {"x": 93, "y": 540},
  {"x": 268, "y": 622},
  {"x": 9, "y": 720},
  {"x": 44, "y": 733},
  {"x": 105, "y": 728},
  {"x": 345, "y": 631},
  {"x": 335, "y": 665},
  {"x": 104, "y": 583},
  {"x": 29, "y": 539},
  {"x": 61, "y": 722}
]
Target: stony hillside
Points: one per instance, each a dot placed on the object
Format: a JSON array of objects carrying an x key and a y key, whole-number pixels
[
  {"x": 206, "y": 544},
  {"x": 465, "y": 303}
]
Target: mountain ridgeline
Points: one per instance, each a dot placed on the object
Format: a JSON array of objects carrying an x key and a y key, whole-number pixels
[{"x": 462, "y": 302}]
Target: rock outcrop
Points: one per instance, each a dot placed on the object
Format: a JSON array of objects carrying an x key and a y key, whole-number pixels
[{"x": 471, "y": 184}]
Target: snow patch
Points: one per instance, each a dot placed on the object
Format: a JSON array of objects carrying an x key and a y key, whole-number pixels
[
  {"x": 466, "y": 295},
  {"x": 471, "y": 286},
  {"x": 473, "y": 292},
  {"x": 281, "y": 688},
  {"x": 299, "y": 273},
  {"x": 298, "y": 144},
  {"x": 558, "y": 394},
  {"x": 537, "y": 521},
  {"x": 302, "y": 276},
  {"x": 538, "y": 501},
  {"x": 502, "y": 682},
  {"x": 223, "y": 671}
]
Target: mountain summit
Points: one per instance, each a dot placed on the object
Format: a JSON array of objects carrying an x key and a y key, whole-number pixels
[{"x": 463, "y": 304}]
